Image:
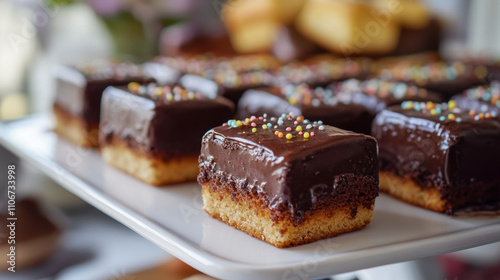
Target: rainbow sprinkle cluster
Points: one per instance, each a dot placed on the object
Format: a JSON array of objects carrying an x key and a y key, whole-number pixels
[
  {"x": 286, "y": 127},
  {"x": 489, "y": 94},
  {"x": 304, "y": 95},
  {"x": 318, "y": 70},
  {"x": 108, "y": 69},
  {"x": 206, "y": 65},
  {"x": 385, "y": 89},
  {"x": 437, "y": 71},
  {"x": 233, "y": 79},
  {"x": 164, "y": 93},
  {"x": 446, "y": 111}
]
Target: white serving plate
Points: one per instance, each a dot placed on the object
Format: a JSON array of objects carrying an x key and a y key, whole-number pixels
[{"x": 172, "y": 217}]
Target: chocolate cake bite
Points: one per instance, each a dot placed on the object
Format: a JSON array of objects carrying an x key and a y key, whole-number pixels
[
  {"x": 288, "y": 181},
  {"x": 78, "y": 97},
  {"x": 349, "y": 105},
  {"x": 154, "y": 132},
  {"x": 439, "y": 156}
]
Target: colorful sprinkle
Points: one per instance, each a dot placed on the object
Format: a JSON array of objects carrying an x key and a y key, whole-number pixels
[
  {"x": 306, "y": 135},
  {"x": 481, "y": 72},
  {"x": 298, "y": 128},
  {"x": 133, "y": 86},
  {"x": 452, "y": 104},
  {"x": 430, "y": 105},
  {"x": 254, "y": 130},
  {"x": 289, "y": 136},
  {"x": 264, "y": 126},
  {"x": 406, "y": 105},
  {"x": 442, "y": 118}
]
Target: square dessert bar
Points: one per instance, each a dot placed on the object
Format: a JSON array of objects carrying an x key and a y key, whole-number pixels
[
  {"x": 288, "y": 181},
  {"x": 350, "y": 105},
  {"x": 154, "y": 132},
  {"x": 78, "y": 97},
  {"x": 439, "y": 156}
]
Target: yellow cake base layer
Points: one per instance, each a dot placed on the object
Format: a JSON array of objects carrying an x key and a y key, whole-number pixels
[
  {"x": 410, "y": 192},
  {"x": 149, "y": 169},
  {"x": 253, "y": 218},
  {"x": 73, "y": 129}
]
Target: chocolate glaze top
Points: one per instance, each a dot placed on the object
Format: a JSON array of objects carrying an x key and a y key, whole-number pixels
[
  {"x": 162, "y": 121},
  {"x": 285, "y": 159}
]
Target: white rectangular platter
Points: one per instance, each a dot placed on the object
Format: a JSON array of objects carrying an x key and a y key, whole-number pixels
[{"x": 172, "y": 217}]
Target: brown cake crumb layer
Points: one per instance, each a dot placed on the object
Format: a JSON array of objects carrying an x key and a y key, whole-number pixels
[
  {"x": 411, "y": 192},
  {"x": 75, "y": 129},
  {"x": 252, "y": 216},
  {"x": 148, "y": 168}
]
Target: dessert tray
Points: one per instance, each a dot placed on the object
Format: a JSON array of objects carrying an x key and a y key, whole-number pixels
[{"x": 172, "y": 217}]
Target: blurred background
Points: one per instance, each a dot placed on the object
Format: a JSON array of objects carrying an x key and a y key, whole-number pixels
[{"x": 38, "y": 34}]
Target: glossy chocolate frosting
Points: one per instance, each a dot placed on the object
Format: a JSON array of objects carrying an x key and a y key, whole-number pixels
[
  {"x": 453, "y": 151},
  {"x": 163, "y": 122},
  {"x": 292, "y": 164}
]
